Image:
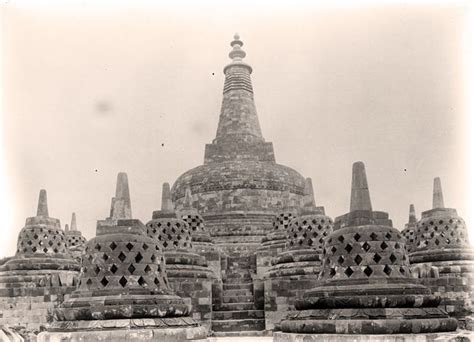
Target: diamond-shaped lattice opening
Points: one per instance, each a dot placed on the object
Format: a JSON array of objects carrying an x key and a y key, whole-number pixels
[
  {"x": 393, "y": 258},
  {"x": 113, "y": 245},
  {"x": 129, "y": 246},
  {"x": 332, "y": 272},
  {"x": 50, "y": 243},
  {"x": 131, "y": 268},
  {"x": 357, "y": 236},
  {"x": 402, "y": 270},
  {"x": 397, "y": 245},
  {"x": 30, "y": 242},
  {"x": 147, "y": 269},
  {"x": 141, "y": 281},
  {"x": 383, "y": 245},
  {"x": 35, "y": 236},
  {"x": 368, "y": 271},
  {"x": 156, "y": 281},
  {"x": 105, "y": 257},
  {"x": 377, "y": 258},
  {"x": 113, "y": 269},
  {"x": 373, "y": 236},
  {"x": 348, "y": 248},
  {"x": 366, "y": 246},
  {"x": 122, "y": 257},
  {"x": 387, "y": 270},
  {"x": 96, "y": 269},
  {"x": 89, "y": 282},
  {"x": 98, "y": 247},
  {"x": 145, "y": 246},
  {"x": 123, "y": 281},
  {"x": 388, "y": 236},
  {"x": 340, "y": 260},
  {"x": 358, "y": 259},
  {"x": 139, "y": 257},
  {"x": 104, "y": 281},
  {"x": 340, "y": 238},
  {"x": 348, "y": 272},
  {"x": 34, "y": 249}
]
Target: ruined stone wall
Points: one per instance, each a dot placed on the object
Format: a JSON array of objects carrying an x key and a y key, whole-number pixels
[{"x": 27, "y": 298}]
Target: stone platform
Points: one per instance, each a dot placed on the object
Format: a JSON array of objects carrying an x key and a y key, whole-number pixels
[
  {"x": 457, "y": 336},
  {"x": 175, "y": 329}
]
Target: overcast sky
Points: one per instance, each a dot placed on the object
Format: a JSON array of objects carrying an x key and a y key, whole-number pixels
[{"x": 89, "y": 91}]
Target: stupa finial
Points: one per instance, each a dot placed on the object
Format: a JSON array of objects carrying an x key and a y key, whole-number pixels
[
  {"x": 360, "y": 196},
  {"x": 166, "y": 203},
  {"x": 237, "y": 54},
  {"x": 73, "y": 222},
  {"x": 121, "y": 206},
  {"x": 66, "y": 227},
  {"x": 412, "y": 215},
  {"x": 42, "y": 204},
  {"x": 188, "y": 199},
  {"x": 438, "y": 201},
  {"x": 309, "y": 193}
]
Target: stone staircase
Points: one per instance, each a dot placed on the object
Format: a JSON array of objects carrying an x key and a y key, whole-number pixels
[{"x": 237, "y": 312}]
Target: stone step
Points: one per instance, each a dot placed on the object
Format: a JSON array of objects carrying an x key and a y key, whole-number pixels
[
  {"x": 246, "y": 314},
  {"x": 237, "y": 286},
  {"x": 238, "y": 325},
  {"x": 240, "y": 275},
  {"x": 236, "y": 306},
  {"x": 237, "y": 299},
  {"x": 250, "y": 333},
  {"x": 238, "y": 292}
]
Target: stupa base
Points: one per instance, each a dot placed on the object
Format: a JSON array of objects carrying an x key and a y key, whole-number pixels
[
  {"x": 130, "y": 330},
  {"x": 457, "y": 336},
  {"x": 395, "y": 325}
]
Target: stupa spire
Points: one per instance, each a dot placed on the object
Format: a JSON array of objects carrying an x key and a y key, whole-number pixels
[
  {"x": 238, "y": 118},
  {"x": 309, "y": 193},
  {"x": 166, "y": 203},
  {"x": 412, "y": 214},
  {"x": 188, "y": 199},
  {"x": 66, "y": 227},
  {"x": 360, "y": 196},
  {"x": 42, "y": 204},
  {"x": 121, "y": 206},
  {"x": 73, "y": 222},
  {"x": 438, "y": 201}
]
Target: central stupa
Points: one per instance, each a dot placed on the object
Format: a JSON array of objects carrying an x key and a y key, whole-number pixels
[{"x": 240, "y": 187}]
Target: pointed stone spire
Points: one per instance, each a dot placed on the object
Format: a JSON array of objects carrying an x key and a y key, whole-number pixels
[
  {"x": 360, "y": 197},
  {"x": 412, "y": 215},
  {"x": 73, "y": 222},
  {"x": 188, "y": 199},
  {"x": 166, "y": 203},
  {"x": 66, "y": 227},
  {"x": 238, "y": 118},
  {"x": 42, "y": 204},
  {"x": 121, "y": 206},
  {"x": 438, "y": 201},
  {"x": 309, "y": 193}
]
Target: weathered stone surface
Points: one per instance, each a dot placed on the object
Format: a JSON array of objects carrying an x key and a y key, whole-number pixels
[
  {"x": 187, "y": 271},
  {"x": 42, "y": 272},
  {"x": 365, "y": 284},
  {"x": 441, "y": 245},
  {"x": 123, "y": 291}
]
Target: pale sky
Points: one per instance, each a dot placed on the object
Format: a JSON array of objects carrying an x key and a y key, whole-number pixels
[{"x": 89, "y": 91}]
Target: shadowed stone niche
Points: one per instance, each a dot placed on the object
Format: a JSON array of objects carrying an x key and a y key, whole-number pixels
[
  {"x": 123, "y": 291},
  {"x": 443, "y": 259},
  {"x": 41, "y": 273},
  {"x": 187, "y": 271},
  {"x": 296, "y": 268},
  {"x": 365, "y": 287}
]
